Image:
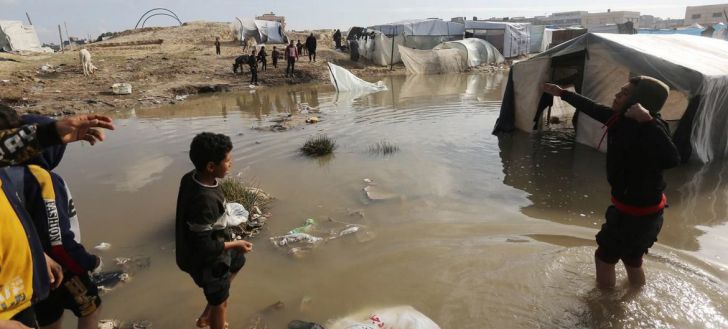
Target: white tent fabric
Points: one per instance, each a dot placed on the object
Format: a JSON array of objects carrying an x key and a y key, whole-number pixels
[
  {"x": 259, "y": 30},
  {"x": 548, "y": 37},
  {"x": 536, "y": 33},
  {"x": 516, "y": 39},
  {"x": 450, "y": 57},
  {"x": 345, "y": 81},
  {"x": 421, "y": 27},
  {"x": 478, "y": 51},
  {"x": 613, "y": 58},
  {"x": 382, "y": 49},
  {"x": 434, "y": 61},
  {"x": 14, "y": 36}
]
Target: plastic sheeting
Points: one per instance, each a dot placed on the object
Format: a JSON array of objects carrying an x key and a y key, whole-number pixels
[
  {"x": 433, "y": 61},
  {"x": 14, "y": 36},
  {"x": 344, "y": 80},
  {"x": 693, "y": 66},
  {"x": 380, "y": 50},
  {"x": 537, "y": 33},
  {"x": 259, "y": 30},
  {"x": 450, "y": 57},
  {"x": 421, "y": 27},
  {"x": 477, "y": 51},
  {"x": 516, "y": 38}
]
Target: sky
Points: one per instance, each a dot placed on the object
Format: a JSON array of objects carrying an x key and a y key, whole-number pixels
[{"x": 93, "y": 17}]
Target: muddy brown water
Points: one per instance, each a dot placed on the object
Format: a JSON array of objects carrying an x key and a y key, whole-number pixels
[{"x": 483, "y": 232}]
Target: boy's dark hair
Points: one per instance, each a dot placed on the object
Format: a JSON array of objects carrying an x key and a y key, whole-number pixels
[
  {"x": 8, "y": 117},
  {"x": 209, "y": 147},
  {"x": 649, "y": 92}
]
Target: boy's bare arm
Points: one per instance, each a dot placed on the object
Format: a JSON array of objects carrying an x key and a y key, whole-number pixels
[{"x": 239, "y": 244}]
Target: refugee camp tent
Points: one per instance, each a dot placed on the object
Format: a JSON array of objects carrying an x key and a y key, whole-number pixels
[
  {"x": 511, "y": 39},
  {"x": 555, "y": 37},
  {"x": 536, "y": 33},
  {"x": 381, "y": 48},
  {"x": 259, "y": 30},
  {"x": 433, "y": 61},
  {"x": 14, "y": 36},
  {"x": 450, "y": 57},
  {"x": 597, "y": 65}
]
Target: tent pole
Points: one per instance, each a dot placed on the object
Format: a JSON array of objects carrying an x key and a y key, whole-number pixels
[
  {"x": 60, "y": 35},
  {"x": 67, "y": 36},
  {"x": 391, "y": 57},
  {"x": 29, "y": 21}
]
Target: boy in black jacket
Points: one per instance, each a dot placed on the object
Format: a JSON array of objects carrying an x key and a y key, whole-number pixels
[
  {"x": 639, "y": 149},
  {"x": 205, "y": 248}
]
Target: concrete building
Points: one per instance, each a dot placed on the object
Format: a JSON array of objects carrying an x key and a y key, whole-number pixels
[
  {"x": 706, "y": 15},
  {"x": 564, "y": 19},
  {"x": 610, "y": 17},
  {"x": 272, "y": 17},
  {"x": 669, "y": 23},
  {"x": 649, "y": 21}
]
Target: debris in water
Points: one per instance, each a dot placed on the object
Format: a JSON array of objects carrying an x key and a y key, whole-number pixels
[
  {"x": 282, "y": 241},
  {"x": 180, "y": 97},
  {"x": 350, "y": 230},
  {"x": 375, "y": 193},
  {"x": 103, "y": 246},
  {"x": 312, "y": 120},
  {"x": 368, "y": 181},
  {"x": 306, "y": 228}
]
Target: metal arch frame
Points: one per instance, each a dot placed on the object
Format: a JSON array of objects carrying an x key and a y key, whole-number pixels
[
  {"x": 151, "y": 10},
  {"x": 160, "y": 14}
]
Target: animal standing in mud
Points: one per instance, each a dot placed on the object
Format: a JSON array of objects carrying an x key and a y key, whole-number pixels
[
  {"x": 85, "y": 57},
  {"x": 239, "y": 62}
]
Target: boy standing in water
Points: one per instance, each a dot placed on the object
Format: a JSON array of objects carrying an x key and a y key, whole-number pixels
[
  {"x": 205, "y": 248},
  {"x": 639, "y": 149}
]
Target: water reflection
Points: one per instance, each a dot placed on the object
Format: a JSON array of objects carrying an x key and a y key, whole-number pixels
[{"x": 567, "y": 183}]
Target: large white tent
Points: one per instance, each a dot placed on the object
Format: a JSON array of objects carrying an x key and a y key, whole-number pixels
[
  {"x": 259, "y": 30},
  {"x": 511, "y": 39},
  {"x": 423, "y": 34},
  {"x": 14, "y": 36},
  {"x": 450, "y": 57},
  {"x": 597, "y": 65}
]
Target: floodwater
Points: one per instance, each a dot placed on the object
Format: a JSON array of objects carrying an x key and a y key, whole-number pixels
[{"x": 483, "y": 232}]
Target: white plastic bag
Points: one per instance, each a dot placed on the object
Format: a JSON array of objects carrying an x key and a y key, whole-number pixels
[{"x": 236, "y": 214}]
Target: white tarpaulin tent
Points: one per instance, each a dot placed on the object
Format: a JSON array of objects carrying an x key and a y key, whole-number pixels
[
  {"x": 450, "y": 57},
  {"x": 536, "y": 33},
  {"x": 433, "y": 61},
  {"x": 417, "y": 34},
  {"x": 512, "y": 39},
  {"x": 14, "y": 36},
  {"x": 477, "y": 51},
  {"x": 259, "y": 30},
  {"x": 345, "y": 81},
  {"x": 695, "y": 68}
]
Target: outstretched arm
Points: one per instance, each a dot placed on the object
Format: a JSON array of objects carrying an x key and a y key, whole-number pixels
[
  {"x": 20, "y": 144},
  {"x": 597, "y": 111}
]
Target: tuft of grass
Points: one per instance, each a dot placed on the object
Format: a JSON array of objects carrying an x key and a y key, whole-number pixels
[
  {"x": 384, "y": 148},
  {"x": 318, "y": 146},
  {"x": 248, "y": 194}
]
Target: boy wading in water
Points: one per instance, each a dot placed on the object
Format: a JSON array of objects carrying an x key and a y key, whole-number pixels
[
  {"x": 205, "y": 248},
  {"x": 639, "y": 149}
]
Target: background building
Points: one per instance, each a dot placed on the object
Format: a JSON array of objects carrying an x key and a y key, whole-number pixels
[
  {"x": 610, "y": 17},
  {"x": 565, "y": 19},
  {"x": 706, "y": 15}
]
